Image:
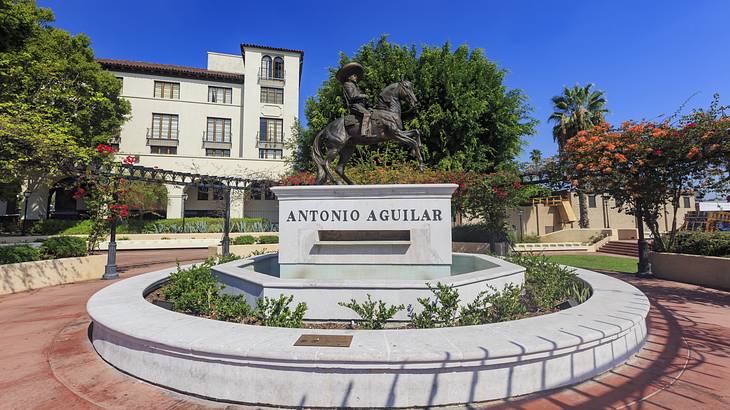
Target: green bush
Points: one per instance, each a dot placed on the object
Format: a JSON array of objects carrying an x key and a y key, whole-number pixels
[
  {"x": 276, "y": 312},
  {"x": 497, "y": 306},
  {"x": 702, "y": 243},
  {"x": 440, "y": 312},
  {"x": 547, "y": 284},
  {"x": 193, "y": 290},
  {"x": 373, "y": 315},
  {"x": 266, "y": 239},
  {"x": 244, "y": 240},
  {"x": 18, "y": 253},
  {"x": 63, "y": 247},
  {"x": 231, "y": 308},
  {"x": 135, "y": 225}
]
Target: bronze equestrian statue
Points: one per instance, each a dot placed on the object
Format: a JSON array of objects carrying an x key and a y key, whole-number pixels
[{"x": 363, "y": 126}]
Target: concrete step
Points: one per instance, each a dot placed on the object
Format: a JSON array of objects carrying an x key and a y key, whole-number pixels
[{"x": 621, "y": 248}]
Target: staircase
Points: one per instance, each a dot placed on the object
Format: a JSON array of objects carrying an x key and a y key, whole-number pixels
[{"x": 625, "y": 248}]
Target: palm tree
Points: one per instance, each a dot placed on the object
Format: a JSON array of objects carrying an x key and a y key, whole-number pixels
[
  {"x": 536, "y": 158},
  {"x": 578, "y": 108}
]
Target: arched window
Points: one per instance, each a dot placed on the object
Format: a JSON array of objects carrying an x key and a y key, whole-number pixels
[
  {"x": 279, "y": 67},
  {"x": 266, "y": 67}
]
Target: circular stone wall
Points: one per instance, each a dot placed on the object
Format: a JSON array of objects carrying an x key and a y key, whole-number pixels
[{"x": 386, "y": 368}]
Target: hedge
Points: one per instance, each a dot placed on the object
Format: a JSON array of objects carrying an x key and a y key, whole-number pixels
[
  {"x": 63, "y": 247},
  {"x": 192, "y": 225},
  {"x": 18, "y": 253},
  {"x": 702, "y": 243}
]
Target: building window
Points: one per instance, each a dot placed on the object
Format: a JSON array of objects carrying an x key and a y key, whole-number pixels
[
  {"x": 220, "y": 95},
  {"x": 212, "y": 152},
  {"x": 219, "y": 194},
  {"x": 154, "y": 149},
  {"x": 591, "y": 201},
  {"x": 271, "y": 95},
  {"x": 271, "y": 130},
  {"x": 164, "y": 126},
  {"x": 279, "y": 68},
  {"x": 270, "y": 153},
  {"x": 685, "y": 202},
  {"x": 167, "y": 90},
  {"x": 219, "y": 130},
  {"x": 266, "y": 67},
  {"x": 202, "y": 193}
]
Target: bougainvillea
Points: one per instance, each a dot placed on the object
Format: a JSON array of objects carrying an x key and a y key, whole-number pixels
[{"x": 645, "y": 165}]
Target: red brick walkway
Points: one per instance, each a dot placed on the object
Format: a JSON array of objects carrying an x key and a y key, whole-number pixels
[{"x": 46, "y": 361}]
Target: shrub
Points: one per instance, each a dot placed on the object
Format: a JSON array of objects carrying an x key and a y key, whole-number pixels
[
  {"x": 702, "y": 243},
  {"x": 547, "y": 284},
  {"x": 64, "y": 247},
  {"x": 276, "y": 312},
  {"x": 193, "y": 290},
  {"x": 266, "y": 239},
  {"x": 496, "y": 306},
  {"x": 18, "y": 253},
  {"x": 244, "y": 240},
  {"x": 231, "y": 308},
  {"x": 60, "y": 227},
  {"x": 373, "y": 314},
  {"x": 439, "y": 312}
]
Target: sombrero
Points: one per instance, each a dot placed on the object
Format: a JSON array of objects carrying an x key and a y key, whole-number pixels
[{"x": 349, "y": 69}]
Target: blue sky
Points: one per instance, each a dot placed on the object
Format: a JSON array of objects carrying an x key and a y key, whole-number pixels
[{"x": 648, "y": 56}]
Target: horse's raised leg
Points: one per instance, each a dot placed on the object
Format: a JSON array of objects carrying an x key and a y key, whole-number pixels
[
  {"x": 345, "y": 154},
  {"x": 412, "y": 139}
]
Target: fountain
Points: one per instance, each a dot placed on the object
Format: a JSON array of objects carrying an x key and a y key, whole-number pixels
[{"x": 339, "y": 243}]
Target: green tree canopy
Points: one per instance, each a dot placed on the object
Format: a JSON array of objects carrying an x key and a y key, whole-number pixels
[
  {"x": 468, "y": 118},
  {"x": 56, "y": 102}
]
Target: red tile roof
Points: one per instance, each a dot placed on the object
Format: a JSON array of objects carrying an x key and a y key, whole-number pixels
[
  {"x": 169, "y": 70},
  {"x": 244, "y": 45}
]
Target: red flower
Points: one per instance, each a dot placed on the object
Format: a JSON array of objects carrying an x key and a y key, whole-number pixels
[
  {"x": 130, "y": 159},
  {"x": 79, "y": 193},
  {"x": 657, "y": 152},
  {"x": 104, "y": 149},
  {"x": 690, "y": 125},
  {"x": 517, "y": 185}
]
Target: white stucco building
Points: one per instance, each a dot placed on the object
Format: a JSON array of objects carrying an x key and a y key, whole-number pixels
[{"x": 229, "y": 119}]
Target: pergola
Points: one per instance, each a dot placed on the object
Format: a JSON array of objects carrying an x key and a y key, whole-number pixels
[{"x": 163, "y": 176}]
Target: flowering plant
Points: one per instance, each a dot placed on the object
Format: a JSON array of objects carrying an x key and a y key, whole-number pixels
[{"x": 645, "y": 165}]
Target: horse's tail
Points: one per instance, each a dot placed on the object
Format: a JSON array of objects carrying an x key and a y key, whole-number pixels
[{"x": 318, "y": 159}]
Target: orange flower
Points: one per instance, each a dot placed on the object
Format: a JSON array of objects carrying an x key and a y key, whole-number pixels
[
  {"x": 621, "y": 158},
  {"x": 579, "y": 167},
  {"x": 693, "y": 152},
  {"x": 610, "y": 146}
]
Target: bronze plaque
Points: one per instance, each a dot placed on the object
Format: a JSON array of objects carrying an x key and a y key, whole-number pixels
[{"x": 324, "y": 340}]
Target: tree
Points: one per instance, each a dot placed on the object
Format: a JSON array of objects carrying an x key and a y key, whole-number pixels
[
  {"x": 536, "y": 158},
  {"x": 56, "y": 102},
  {"x": 578, "y": 109},
  {"x": 646, "y": 165},
  {"x": 468, "y": 119}
]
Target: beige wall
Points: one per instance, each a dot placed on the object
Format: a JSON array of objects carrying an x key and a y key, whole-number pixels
[
  {"x": 708, "y": 271},
  {"x": 541, "y": 219},
  {"x": 17, "y": 277}
]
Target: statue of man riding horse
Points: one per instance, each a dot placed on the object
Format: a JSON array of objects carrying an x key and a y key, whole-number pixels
[{"x": 363, "y": 126}]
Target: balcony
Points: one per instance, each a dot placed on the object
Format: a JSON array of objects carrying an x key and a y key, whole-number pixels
[
  {"x": 268, "y": 78},
  {"x": 269, "y": 144},
  {"x": 172, "y": 141},
  {"x": 211, "y": 142}
]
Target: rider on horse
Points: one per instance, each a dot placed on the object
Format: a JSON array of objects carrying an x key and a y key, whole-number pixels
[{"x": 356, "y": 100}]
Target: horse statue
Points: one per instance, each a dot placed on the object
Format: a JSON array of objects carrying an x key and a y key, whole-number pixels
[{"x": 341, "y": 136}]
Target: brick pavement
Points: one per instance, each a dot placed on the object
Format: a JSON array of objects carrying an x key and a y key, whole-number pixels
[{"x": 47, "y": 362}]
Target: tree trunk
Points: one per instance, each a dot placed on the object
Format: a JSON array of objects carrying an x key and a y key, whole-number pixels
[{"x": 583, "y": 221}]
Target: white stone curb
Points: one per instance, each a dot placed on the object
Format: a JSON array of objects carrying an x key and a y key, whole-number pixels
[{"x": 387, "y": 368}]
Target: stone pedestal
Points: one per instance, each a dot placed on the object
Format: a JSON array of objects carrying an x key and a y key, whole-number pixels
[{"x": 365, "y": 231}]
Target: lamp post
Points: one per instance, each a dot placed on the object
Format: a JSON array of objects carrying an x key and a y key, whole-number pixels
[
  {"x": 644, "y": 268},
  {"x": 26, "y": 194},
  {"x": 184, "y": 198},
  {"x": 110, "y": 270},
  {"x": 521, "y": 231}
]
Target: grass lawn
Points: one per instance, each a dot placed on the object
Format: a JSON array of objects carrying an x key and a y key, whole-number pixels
[{"x": 601, "y": 262}]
